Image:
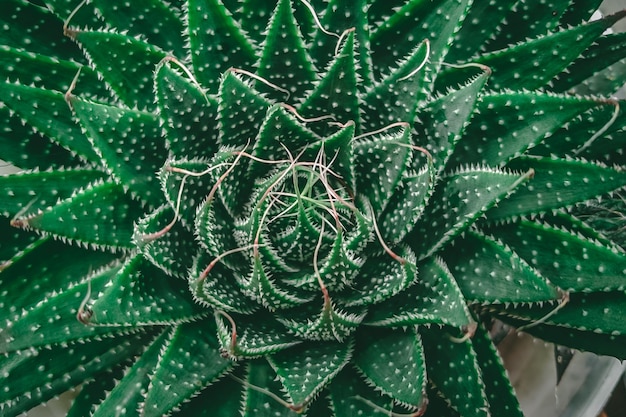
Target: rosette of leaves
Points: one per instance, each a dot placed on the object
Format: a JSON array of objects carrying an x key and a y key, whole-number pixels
[{"x": 277, "y": 207}]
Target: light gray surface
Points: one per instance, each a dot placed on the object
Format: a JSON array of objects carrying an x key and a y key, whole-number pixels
[{"x": 583, "y": 391}]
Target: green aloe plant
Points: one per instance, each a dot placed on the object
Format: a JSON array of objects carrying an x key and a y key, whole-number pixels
[{"x": 255, "y": 208}]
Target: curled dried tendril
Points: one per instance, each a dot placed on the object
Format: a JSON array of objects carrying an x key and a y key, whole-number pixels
[{"x": 85, "y": 313}]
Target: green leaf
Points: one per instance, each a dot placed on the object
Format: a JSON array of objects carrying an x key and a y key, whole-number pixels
[
  {"x": 284, "y": 60},
  {"x": 435, "y": 298},
  {"x": 500, "y": 394},
  {"x": 332, "y": 321},
  {"x": 522, "y": 66},
  {"x": 337, "y": 271},
  {"x": 380, "y": 278},
  {"x": 579, "y": 11},
  {"x": 339, "y": 149},
  {"x": 21, "y": 146},
  {"x": 14, "y": 242},
  {"x": 100, "y": 215},
  {"x": 239, "y": 124},
  {"x": 84, "y": 17},
  {"x": 124, "y": 62},
  {"x": 222, "y": 399},
  {"x": 587, "y": 340},
  {"x": 379, "y": 165},
  {"x": 351, "y": 396},
  {"x": 219, "y": 288},
  {"x": 34, "y": 191},
  {"x": 605, "y": 51},
  {"x": 569, "y": 260},
  {"x": 130, "y": 144},
  {"x": 129, "y": 393},
  {"x": 307, "y": 368},
  {"x": 524, "y": 22},
  {"x": 170, "y": 248},
  {"x": 54, "y": 318},
  {"x": 194, "y": 347},
  {"x": 38, "y": 375},
  {"x": 253, "y": 335},
  {"x": 575, "y": 225},
  {"x": 259, "y": 404},
  {"x": 605, "y": 82},
  {"x": 609, "y": 148},
  {"x": 47, "y": 113},
  {"x": 280, "y": 131},
  {"x": 41, "y": 271},
  {"x": 253, "y": 16},
  {"x": 487, "y": 271},
  {"x": 363, "y": 233},
  {"x": 140, "y": 294},
  {"x": 596, "y": 313},
  {"x": 398, "y": 94},
  {"x": 458, "y": 201},
  {"x": 95, "y": 390},
  {"x": 336, "y": 93},
  {"x": 452, "y": 367},
  {"x": 42, "y": 35},
  {"x": 414, "y": 21},
  {"x": 216, "y": 42},
  {"x": 392, "y": 360},
  {"x": 556, "y": 183},
  {"x": 407, "y": 204},
  {"x": 339, "y": 16},
  {"x": 185, "y": 184},
  {"x": 217, "y": 237},
  {"x": 261, "y": 287},
  {"x": 155, "y": 20},
  {"x": 229, "y": 171},
  {"x": 189, "y": 114},
  {"x": 507, "y": 124},
  {"x": 590, "y": 135},
  {"x": 480, "y": 24},
  {"x": 48, "y": 72},
  {"x": 442, "y": 122},
  {"x": 438, "y": 405}
]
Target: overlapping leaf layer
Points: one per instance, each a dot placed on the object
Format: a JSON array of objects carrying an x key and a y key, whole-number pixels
[{"x": 285, "y": 206}]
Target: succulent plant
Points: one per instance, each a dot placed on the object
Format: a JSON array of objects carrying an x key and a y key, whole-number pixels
[{"x": 276, "y": 207}]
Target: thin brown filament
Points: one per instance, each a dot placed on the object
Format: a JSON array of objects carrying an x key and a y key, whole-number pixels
[
  {"x": 604, "y": 128},
  {"x": 469, "y": 332},
  {"x": 381, "y": 130},
  {"x": 420, "y": 66},
  {"x": 84, "y": 313},
  {"x": 156, "y": 235},
  {"x": 315, "y": 266},
  {"x": 188, "y": 73},
  {"x": 233, "y": 327},
  {"x": 66, "y": 30},
  {"x": 418, "y": 413},
  {"x": 562, "y": 303},
  {"x": 387, "y": 249},
  {"x": 304, "y": 119},
  {"x": 224, "y": 175},
  {"x": 294, "y": 407},
  {"x": 261, "y": 79},
  {"x": 217, "y": 259},
  {"x": 68, "y": 93},
  {"x": 16, "y": 221}
]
